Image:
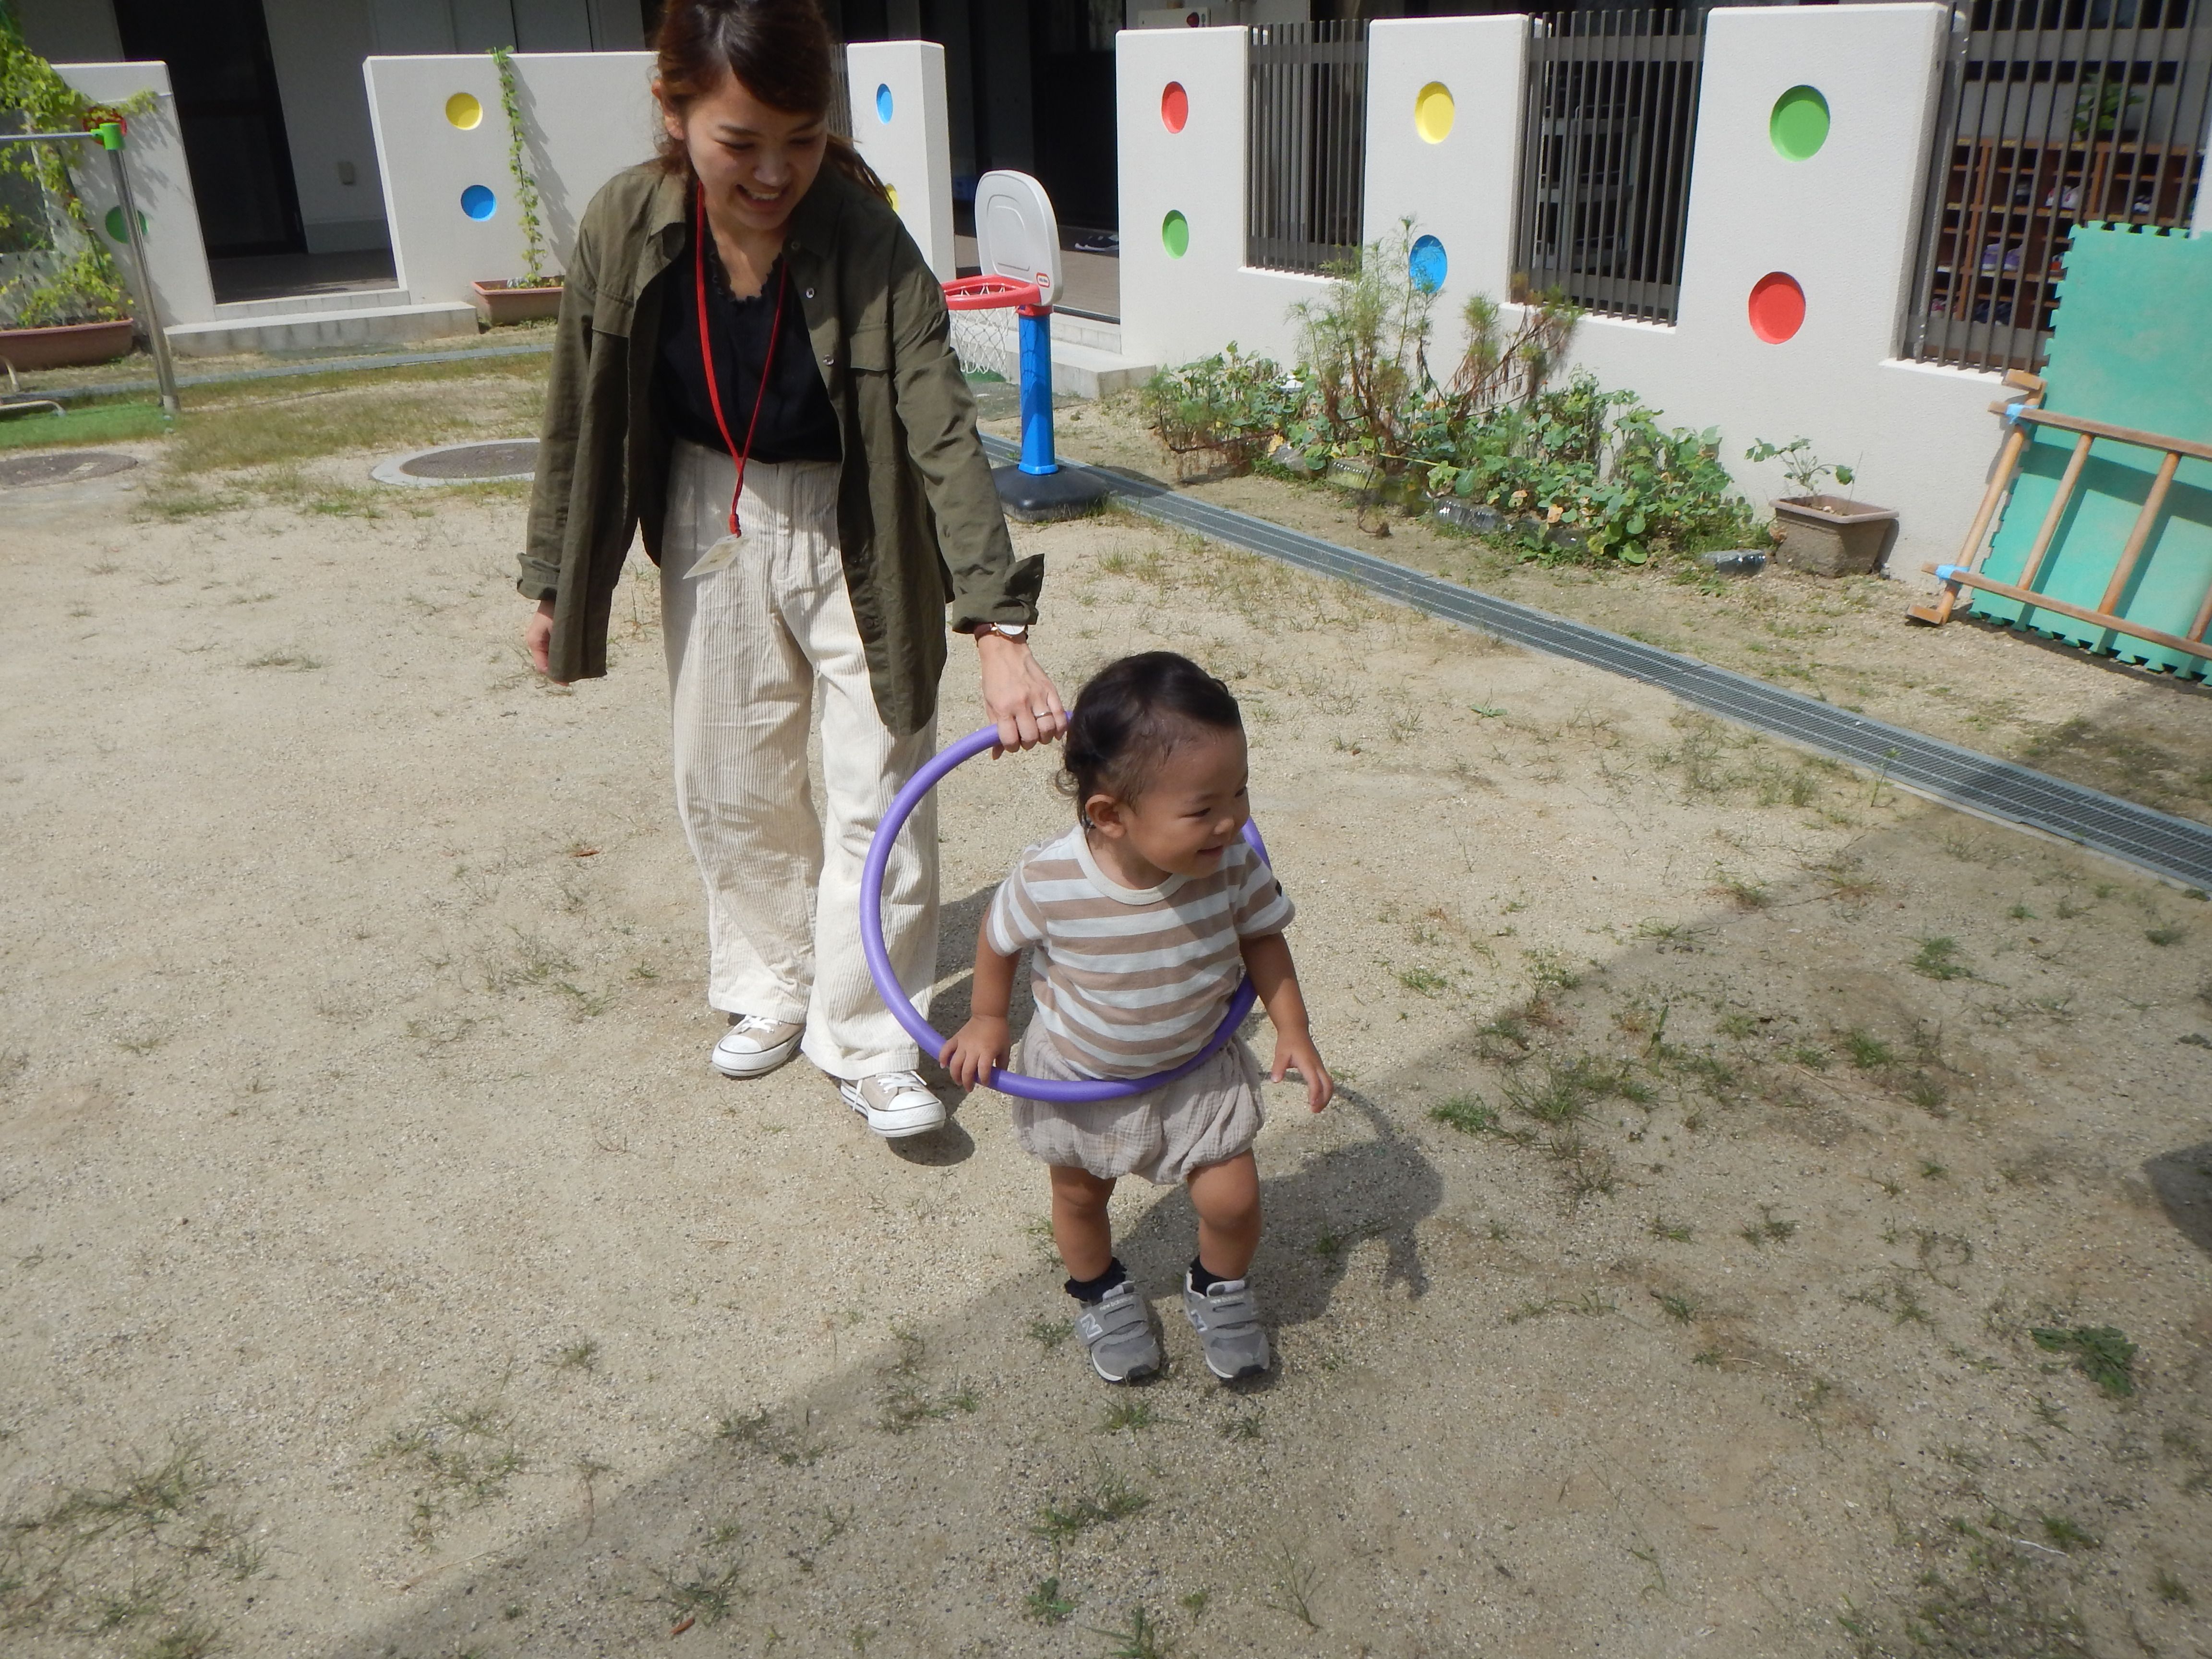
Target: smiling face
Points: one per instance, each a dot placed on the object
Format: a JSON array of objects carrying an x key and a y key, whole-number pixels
[
  {"x": 755, "y": 163},
  {"x": 1191, "y": 807}
]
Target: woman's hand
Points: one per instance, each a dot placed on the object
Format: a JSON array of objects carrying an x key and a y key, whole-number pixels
[
  {"x": 983, "y": 1045},
  {"x": 537, "y": 636},
  {"x": 1017, "y": 693}
]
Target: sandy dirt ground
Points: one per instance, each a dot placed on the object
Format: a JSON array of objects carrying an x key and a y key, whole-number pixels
[{"x": 386, "y": 1274}]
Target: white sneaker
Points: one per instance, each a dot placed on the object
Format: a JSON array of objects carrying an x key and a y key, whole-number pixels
[
  {"x": 896, "y": 1104},
  {"x": 756, "y": 1045}
]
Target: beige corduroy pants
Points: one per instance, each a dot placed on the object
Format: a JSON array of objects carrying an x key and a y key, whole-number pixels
[{"x": 756, "y": 651}]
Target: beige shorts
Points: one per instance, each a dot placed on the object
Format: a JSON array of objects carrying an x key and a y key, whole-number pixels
[{"x": 1165, "y": 1134}]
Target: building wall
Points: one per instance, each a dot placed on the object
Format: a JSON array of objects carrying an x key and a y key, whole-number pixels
[
  {"x": 70, "y": 31},
  {"x": 1842, "y": 223},
  {"x": 160, "y": 183},
  {"x": 318, "y": 45}
]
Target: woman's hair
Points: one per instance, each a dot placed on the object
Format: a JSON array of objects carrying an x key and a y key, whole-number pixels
[
  {"x": 1130, "y": 717},
  {"x": 780, "y": 49}
]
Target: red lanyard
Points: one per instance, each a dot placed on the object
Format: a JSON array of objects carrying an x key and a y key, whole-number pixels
[{"x": 707, "y": 358}]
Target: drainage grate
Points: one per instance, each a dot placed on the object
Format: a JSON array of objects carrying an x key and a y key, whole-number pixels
[
  {"x": 52, "y": 467},
  {"x": 448, "y": 463},
  {"x": 2174, "y": 848}
]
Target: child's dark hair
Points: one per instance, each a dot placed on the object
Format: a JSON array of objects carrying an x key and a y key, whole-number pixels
[{"x": 1129, "y": 718}]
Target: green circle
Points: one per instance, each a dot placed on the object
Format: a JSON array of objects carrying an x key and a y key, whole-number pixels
[
  {"x": 1174, "y": 235},
  {"x": 1799, "y": 126},
  {"x": 114, "y": 226}
]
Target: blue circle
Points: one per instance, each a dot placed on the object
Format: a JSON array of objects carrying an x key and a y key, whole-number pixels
[
  {"x": 478, "y": 202},
  {"x": 1427, "y": 264},
  {"x": 884, "y": 105}
]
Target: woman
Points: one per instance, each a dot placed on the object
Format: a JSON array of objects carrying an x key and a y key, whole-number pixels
[{"x": 753, "y": 368}]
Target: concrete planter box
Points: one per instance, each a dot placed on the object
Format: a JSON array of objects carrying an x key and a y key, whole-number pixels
[
  {"x": 1828, "y": 536},
  {"x": 497, "y": 303},
  {"x": 67, "y": 347}
]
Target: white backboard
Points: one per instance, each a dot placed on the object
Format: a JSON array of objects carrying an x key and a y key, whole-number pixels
[{"x": 1016, "y": 233}]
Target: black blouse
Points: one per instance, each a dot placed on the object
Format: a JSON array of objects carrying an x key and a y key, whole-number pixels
[{"x": 797, "y": 421}]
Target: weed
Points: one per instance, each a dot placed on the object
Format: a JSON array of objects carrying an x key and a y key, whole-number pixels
[
  {"x": 1769, "y": 1228},
  {"x": 2166, "y": 933},
  {"x": 1744, "y": 895},
  {"x": 1674, "y": 1232},
  {"x": 703, "y": 1598},
  {"x": 1049, "y": 1334},
  {"x": 1424, "y": 981},
  {"x": 1245, "y": 1426},
  {"x": 1112, "y": 1498},
  {"x": 1938, "y": 958},
  {"x": 1140, "y": 1638},
  {"x": 1328, "y": 1244},
  {"x": 1195, "y": 1603},
  {"x": 1676, "y": 1307},
  {"x": 1931, "y": 1171},
  {"x": 1295, "y": 1583},
  {"x": 1547, "y": 971},
  {"x": 460, "y": 1457},
  {"x": 1739, "y": 1026},
  {"x": 905, "y": 1403},
  {"x": 2105, "y": 1355},
  {"x": 1908, "y": 1309},
  {"x": 192, "y": 1639},
  {"x": 1045, "y": 1605},
  {"x": 1587, "y": 1171},
  {"x": 2021, "y": 912},
  {"x": 1127, "y": 1414},
  {"x": 1868, "y": 1052},
  {"x": 578, "y": 1356},
  {"x": 1929, "y": 1093},
  {"x": 1467, "y": 1113},
  {"x": 1811, "y": 1056},
  {"x": 2170, "y": 1589},
  {"x": 2067, "y": 1535},
  {"x": 297, "y": 661}
]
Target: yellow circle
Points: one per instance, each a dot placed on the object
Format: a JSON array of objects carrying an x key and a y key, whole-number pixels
[
  {"x": 891, "y": 191},
  {"x": 1433, "y": 110},
  {"x": 463, "y": 109}
]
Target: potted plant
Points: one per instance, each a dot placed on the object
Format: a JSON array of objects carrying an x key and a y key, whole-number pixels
[
  {"x": 535, "y": 295},
  {"x": 1821, "y": 534},
  {"x": 62, "y": 300}
]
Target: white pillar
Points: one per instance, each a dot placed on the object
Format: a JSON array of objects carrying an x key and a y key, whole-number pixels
[{"x": 900, "y": 128}]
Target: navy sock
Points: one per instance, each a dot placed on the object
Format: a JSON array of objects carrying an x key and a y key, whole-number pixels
[
  {"x": 1093, "y": 1290},
  {"x": 1202, "y": 1281}
]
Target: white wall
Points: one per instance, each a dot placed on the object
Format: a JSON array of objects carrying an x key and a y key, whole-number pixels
[
  {"x": 586, "y": 116},
  {"x": 1844, "y": 223},
  {"x": 1174, "y": 309},
  {"x": 912, "y": 153},
  {"x": 318, "y": 46},
  {"x": 1459, "y": 187},
  {"x": 160, "y": 183}
]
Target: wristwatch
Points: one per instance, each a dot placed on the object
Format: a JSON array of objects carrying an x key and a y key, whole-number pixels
[{"x": 1003, "y": 631}]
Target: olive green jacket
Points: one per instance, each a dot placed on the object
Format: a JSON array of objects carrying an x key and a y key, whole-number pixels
[{"x": 918, "y": 517}]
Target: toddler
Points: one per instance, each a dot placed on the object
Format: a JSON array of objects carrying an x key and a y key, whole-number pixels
[{"x": 1141, "y": 921}]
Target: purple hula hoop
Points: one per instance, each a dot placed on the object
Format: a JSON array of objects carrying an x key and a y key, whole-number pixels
[{"x": 902, "y": 1009}]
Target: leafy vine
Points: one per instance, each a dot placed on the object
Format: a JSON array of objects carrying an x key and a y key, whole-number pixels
[{"x": 526, "y": 187}]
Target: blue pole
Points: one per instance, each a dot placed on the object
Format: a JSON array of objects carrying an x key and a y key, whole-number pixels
[{"x": 1037, "y": 457}]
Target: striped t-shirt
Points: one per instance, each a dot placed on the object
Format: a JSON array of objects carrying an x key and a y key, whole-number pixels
[{"x": 1129, "y": 981}]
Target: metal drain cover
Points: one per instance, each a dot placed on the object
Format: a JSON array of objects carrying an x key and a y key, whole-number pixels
[
  {"x": 52, "y": 467},
  {"x": 448, "y": 463}
]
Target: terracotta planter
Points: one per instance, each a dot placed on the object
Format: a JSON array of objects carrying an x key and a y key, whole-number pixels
[
  {"x": 1828, "y": 536},
  {"x": 498, "y": 303},
  {"x": 67, "y": 347}
]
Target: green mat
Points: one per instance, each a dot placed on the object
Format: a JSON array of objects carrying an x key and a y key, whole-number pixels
[{"x": 2132, "y": 346}]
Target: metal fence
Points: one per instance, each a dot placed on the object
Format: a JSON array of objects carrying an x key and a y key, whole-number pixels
[
  {"x": 841, "y": 95},
  {"x": 2054, "y": 113},
  {"x": 1610, "y": 117},
  {"x": 1306, "y": 145}
]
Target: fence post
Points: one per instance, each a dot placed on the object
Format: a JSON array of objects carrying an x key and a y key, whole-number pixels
[{"x": 157, "y": 337}]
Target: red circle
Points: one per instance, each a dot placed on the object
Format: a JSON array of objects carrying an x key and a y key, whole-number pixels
[
  {"x": 1777, "y": 306},
  {"x": 1174, "y": 107}
]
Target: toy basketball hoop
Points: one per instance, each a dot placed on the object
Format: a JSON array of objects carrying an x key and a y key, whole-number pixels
[{"x": 1002, "y": 325}]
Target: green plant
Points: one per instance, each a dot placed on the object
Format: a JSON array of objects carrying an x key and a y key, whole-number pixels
[
  {"x": 2104, "y": 1353},
  {"x": 525, "y": 186},
  {"x": 1466, "y": 1113},
  {"x": 1228, "y": 407},
  {"x": 2098, "y": 107},
  {"x": 1045, "y": 1605},
  {"x": 1938, "y": 958},
  {"x": 69, "y": 275},
  {"x": 1799, "y": 464}
]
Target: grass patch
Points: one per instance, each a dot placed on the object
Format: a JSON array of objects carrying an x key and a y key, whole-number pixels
[
  {"x": 107, "y": 423},
  {"x": 1467, "y": 1113},
  {"x": 907, "y": 1404},
  {"x": 1045, "y": 1605},
  {"x": 2105, "y": 1355},
  {"x": 1111, "y": 1499},
  {"x": 459, "y": 1458},
  {"x": 1938, "y": 958}
]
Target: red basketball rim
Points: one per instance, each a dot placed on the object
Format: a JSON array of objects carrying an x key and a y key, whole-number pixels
[{"x": 990, "y": 294}]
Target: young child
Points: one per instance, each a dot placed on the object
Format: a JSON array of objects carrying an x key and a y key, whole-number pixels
[{"x": 1142, "y": 921}]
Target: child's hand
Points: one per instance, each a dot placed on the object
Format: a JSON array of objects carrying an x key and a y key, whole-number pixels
[
  {"x": 1297, "y": 1053},
  {"x": 976, "y": 1049}
]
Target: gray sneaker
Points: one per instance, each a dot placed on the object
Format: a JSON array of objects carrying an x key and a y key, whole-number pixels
[
  {"x": 1116, "y": 1332},
  {"x": 1227, "y": 1321}
]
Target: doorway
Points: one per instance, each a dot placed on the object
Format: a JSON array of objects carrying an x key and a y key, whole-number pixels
[
  {"x": 1072, "y": 66},
  {"x": 235, "y": 148}
]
